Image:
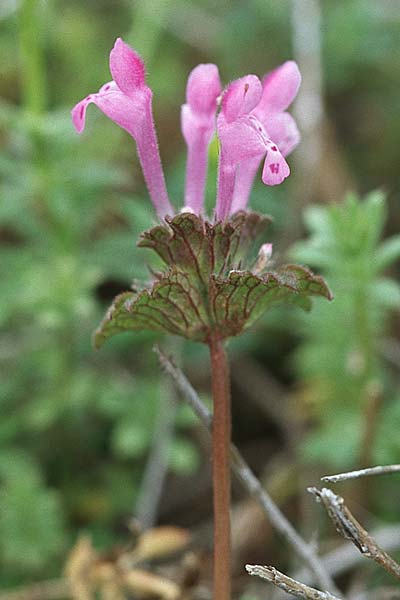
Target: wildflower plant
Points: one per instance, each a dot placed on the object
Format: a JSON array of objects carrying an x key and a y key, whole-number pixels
[{"x": 212, "y": 287}]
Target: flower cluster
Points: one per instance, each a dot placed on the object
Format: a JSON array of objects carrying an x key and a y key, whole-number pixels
[
  {"x": 212, "y": 285},
  {"x": 252, "y": 126}
]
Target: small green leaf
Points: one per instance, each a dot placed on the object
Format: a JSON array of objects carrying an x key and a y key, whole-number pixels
[
  {"x": 386, "y": 293},
  {"x": 31, "y": 519},
  {"x": 388, "y": 252}
]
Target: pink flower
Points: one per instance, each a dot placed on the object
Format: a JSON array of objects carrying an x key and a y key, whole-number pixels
[
  {"x": 279, "y": 89},
  {"x": 253, "y": 126},
  {"x": 128, "y": 102},
  {"x": 198, "y": 120}
]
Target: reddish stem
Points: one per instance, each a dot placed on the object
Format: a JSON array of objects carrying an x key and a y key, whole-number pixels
[{"x": 221, "y": 438}]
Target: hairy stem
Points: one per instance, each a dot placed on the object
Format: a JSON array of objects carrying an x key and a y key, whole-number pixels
[{"x": 221, "y": 436}]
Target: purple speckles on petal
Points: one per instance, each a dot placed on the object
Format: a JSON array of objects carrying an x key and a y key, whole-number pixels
[
  {"x": 277, "y": 129},
  {"x": 275, "y": 169}
]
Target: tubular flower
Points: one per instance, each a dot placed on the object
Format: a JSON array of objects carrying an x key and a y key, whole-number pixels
[
  {"x": 279, "y": 89},
  {"x": 198, "y": 120},
  {"x": 128, "y": 102},
  {"x": 252, "y": 126}
]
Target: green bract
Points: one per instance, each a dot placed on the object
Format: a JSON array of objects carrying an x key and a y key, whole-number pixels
[{"x": 209, "y": 284}]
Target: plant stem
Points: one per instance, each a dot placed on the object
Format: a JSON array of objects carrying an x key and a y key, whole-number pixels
[
  {"x": 34, "y": 88},
  {"x": 33, "y": 72},
  {"x": 32, "y": 23},
  {"x": 221, "y": 437},
  {"x": 304, "y": 551}
]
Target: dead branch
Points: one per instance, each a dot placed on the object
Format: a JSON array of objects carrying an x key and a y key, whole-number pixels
[
  {"x": 369, "y": 472},
  {"x": 345, "y": 557},
  {"x": 348, "y": 527},
  {"x": 287, "y": 584},
  {"x": 156, "y": 469}
]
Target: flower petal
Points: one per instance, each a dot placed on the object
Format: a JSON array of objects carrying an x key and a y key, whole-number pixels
[
  {"x": 195, "y": 125},
  {"x": 78, "y": 114},
  {"x": 127, "y": 101},
  {"x": 280, "y": 88},
  {"x": 108, "y": 87},
  {"x": 240, "y": 97},
  {"x": 197, "y": 130},
  {"x": 225, "y": 186},
  {"x": 203, "y": 89},
  {"x": 246, "y": 173},
  {"x": 275, "y": 168},
  {"x": 198, "y": 121},
  {"x": 282, "y": 129},
  {"x": 127, "y": 68},
  {"x": 114, "y": 104},
  {"x": 241, "y": 139}
]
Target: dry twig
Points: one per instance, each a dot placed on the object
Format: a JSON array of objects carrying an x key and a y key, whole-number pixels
[
  {"x": 345, "y": 557},
  {"x": 348, "y": 526},
  {"x": 287, "y": 584},
  {"x": 383, "y": 470},
  {"x": 250, "y": 482},
  {"x": 156, "y": 469}
]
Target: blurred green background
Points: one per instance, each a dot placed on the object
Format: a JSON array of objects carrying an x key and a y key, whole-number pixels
[{"x": 78, "y": 427}]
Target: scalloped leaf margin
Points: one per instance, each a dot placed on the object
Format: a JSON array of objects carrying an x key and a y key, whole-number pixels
[{"x": 173, "y": 305}]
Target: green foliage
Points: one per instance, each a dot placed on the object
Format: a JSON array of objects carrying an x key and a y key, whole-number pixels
[
  {"x": 205, "y": 288},
  {"x": 340, "y": 357},
  {"x": 31, "y": 525},
  {"x": 67, "y": 229}
]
